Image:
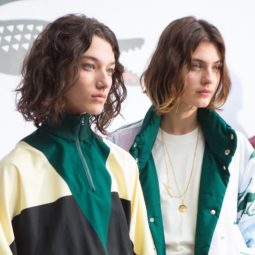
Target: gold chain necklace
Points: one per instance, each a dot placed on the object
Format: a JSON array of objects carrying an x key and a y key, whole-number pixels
[{"x": 182, "y": 207}]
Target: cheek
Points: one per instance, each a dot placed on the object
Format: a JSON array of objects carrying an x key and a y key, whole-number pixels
[
  {"x": 109, "y": 82},
  {"x": 192, "y": 78},
  {"x": 109, "y": 85},
  {"x": 191, "y": 82},
  {"x": 216, "y": 77},
  {"x": 217, "y": 81}
]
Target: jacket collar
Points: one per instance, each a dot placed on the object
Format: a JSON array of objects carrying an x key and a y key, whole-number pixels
[
  {"x": 71, "y": 127},
  {"x": 219, "y": 136},
  {"x": 146, "y": 137}
]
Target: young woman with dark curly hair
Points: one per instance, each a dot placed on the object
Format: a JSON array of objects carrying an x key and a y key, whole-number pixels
[{"x": 64, "y": 189}]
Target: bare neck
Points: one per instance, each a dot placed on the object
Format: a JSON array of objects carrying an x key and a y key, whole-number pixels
[{"x": 180, "y": 121}]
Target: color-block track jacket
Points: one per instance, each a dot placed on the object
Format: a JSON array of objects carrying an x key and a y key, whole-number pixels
[
  {"x": 226, "y": 207},
  {"x": 67, "y": 191}
]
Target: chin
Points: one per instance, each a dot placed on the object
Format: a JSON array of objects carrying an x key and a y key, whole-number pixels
[
  {"x": 95, "y": 112},
  {"x": 203, "y": 104}
]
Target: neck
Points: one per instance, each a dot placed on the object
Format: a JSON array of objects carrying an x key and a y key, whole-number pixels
[{"x": 179, "y": 121}]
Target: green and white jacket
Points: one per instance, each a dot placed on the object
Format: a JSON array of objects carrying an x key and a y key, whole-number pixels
[
  {"x": 66, "y": 191},
  {"x": 226, "y": 207}
]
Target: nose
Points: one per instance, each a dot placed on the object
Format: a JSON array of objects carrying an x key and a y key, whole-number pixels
[
  {"x": 104, "y": 81},
  {"x": 209, "y": 76}
]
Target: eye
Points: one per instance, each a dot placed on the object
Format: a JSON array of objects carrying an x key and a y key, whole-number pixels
[
  {"x": 218, "y": 67},
  {"x": 110, "y": 71},
  {"x": 88, "y": 66},
  {"x": 195, "y": 66}
]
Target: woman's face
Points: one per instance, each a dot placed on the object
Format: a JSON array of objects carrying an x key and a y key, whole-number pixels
[
  {"x": 96, "y": 67},
  {"x": 202, "y": 80}
]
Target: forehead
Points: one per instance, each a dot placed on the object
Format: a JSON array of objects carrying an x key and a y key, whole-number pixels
[
  {"x": 207, "y": 51},
  {"x": 100, "y": 49}
]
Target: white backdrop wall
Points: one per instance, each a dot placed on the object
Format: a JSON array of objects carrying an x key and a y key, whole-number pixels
[{"x": 137, "y": 25}]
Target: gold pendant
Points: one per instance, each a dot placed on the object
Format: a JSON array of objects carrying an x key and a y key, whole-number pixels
[{"x": 182, "y": 208}]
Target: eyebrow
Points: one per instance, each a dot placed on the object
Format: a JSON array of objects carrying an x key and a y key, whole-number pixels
[
  {"x": 202, "y": 61},
  {"x": 95, "y": 59}
]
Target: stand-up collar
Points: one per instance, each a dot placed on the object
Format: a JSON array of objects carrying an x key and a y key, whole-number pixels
[{"x": 71, "y": 127}]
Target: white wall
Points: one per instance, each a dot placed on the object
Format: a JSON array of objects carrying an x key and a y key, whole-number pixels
[{"x": 145, "y": 20}]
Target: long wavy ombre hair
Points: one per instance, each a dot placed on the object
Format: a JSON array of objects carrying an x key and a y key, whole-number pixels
[
  {"x": 52, "y": 67},
  {"x": 163, "y": 80}
]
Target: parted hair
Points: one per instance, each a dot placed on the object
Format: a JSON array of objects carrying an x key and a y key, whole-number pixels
[
  {"x": 163, "y": 80},
  {"x": 51, "y": 67}
]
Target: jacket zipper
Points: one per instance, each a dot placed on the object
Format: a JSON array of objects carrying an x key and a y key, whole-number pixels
[{"x": 83, "y": 160}]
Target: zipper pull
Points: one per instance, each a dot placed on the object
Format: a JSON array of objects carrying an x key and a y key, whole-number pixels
[{"x": 82, "y": 121}]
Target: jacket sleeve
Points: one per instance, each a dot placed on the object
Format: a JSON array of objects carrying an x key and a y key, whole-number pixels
[
  {"x": 125, "y": 136},
  {"x": 8, "y": 188},
  {"x": 246, "y": 195}
]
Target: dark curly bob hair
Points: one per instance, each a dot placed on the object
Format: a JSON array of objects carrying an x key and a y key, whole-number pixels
[{"x": 52, "y": 67}]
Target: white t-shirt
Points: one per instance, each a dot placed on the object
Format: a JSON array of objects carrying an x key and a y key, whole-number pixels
[{"x": 179, "y": 227}]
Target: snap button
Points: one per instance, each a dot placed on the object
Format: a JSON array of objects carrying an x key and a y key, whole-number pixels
[
  {"x": 212, "y": 212},
  {"x": 227, "y": 152},
  {"x": 231, "y": 136},
  {"x": 224, "y": 168},
  {"x": 152, "y": 219},
  {"x": 135, "y": 144}
]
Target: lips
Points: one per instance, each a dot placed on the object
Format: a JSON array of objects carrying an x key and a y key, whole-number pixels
[
  {"x": 99, "y": 97},
  {"x": 204, "y": 92}
]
